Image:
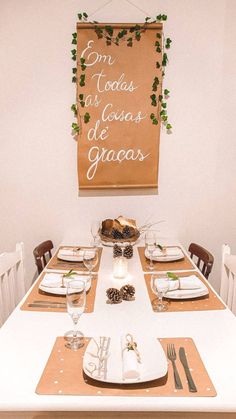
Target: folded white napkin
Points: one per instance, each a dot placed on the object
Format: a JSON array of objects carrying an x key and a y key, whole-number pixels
[
  {"x": 190, "y": 282},
  {"x": 130, "y": 367},
  {"x": 167, "y": 251},
  {"x": 77, "y": 253},
  {"x": 53, "y": 280}
]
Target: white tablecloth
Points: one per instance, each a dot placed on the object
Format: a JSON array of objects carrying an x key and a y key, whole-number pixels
[{"x": 26, "y": 340}]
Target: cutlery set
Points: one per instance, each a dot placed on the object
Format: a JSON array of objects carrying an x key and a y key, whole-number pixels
[{"x": 171, "y": 355}]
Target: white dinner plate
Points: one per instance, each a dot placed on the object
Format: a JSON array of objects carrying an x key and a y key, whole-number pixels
[
  {"x": 153, "y": 365},
  {"x": 62, "y": 291},
  {"x": 187, "y": 294},
  {"x": 75, "y": 258},
  {"x": 167, "y": 258}
]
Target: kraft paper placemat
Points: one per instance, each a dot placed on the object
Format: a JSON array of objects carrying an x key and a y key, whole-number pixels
[
  {"x": 57, "y": 264},
  {"x": 207, "y": 302},
  {"x": 179, "y": 265},
  {"x": 63, "y": 375},
  {"x": 37, "y": 294}
]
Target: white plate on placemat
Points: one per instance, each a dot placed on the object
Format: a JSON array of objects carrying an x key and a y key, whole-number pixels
[
  {"x": 153, "y": 365},
  {"x": 51, "y": 283},
  {"x": 190, "y": 287},
  {"x": 159, "y": 257},
  {"x": 187, "y": 294},
  {"x": 69, "y": 255}
]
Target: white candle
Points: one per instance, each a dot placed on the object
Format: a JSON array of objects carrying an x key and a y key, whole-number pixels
[{"x": 120, "y": 267}]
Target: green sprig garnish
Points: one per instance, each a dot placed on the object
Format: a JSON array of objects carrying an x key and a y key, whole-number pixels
[
  {"x": 69, "y": 274},
  {"x": 172, "y": 276}
]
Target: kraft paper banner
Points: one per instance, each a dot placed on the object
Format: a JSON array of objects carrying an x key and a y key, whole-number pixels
[
  {"x": 70, "y": 380},
  {"x": 119, "y": 146}
]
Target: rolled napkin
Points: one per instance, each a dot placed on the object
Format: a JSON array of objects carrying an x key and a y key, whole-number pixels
[
  {"x": 190, "y": 282},
  {"x": 167, "y": 251},
  {"x": 130, "y": 358},
  {"x": 78, "y": 253}
]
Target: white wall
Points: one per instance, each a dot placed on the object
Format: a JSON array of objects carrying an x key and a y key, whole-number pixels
[{"x": 38, "y": 180}]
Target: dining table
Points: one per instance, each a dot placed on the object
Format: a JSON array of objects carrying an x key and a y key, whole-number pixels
[{"x": 29, "y": 335}]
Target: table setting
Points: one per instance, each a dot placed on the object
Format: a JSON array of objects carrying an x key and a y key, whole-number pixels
[
  {"x": 50, "y": 289},
  {"x": 188, "y": 292},
  {"x": 157, "y": 257},
  {"x": 154, "y": 377},
  {"x": 74, "y": 257}
]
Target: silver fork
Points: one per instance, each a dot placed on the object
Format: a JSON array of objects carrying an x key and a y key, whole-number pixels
[{"x": 171, "y": 354}]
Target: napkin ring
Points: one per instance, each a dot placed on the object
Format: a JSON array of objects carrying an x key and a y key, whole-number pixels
[{"x": 131, "y": 345}]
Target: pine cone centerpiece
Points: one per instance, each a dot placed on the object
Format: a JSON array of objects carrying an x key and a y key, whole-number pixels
[
  {"x": 116, "y": 234},
  {"x": 114, "y": 295},
  {"x": 117, "y": 251},
  {"x": 128, "y": 251},
  {"x": 127, "y": 232},
  {"x": 127, "y": 292}
]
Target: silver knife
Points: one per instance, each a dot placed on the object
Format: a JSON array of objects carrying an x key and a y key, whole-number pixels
[
  {"x": 38, "y": 305},
  {"x": 48, "y": 302},
  {"x": 183, "y": 359}
]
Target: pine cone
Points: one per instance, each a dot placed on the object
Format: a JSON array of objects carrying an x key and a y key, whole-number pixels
[
  {"x": 114, "y": 295},
  {"x": 128, "y": 251},
  {"x": 127, "y": 292},
  {"x": 116, "y": 234},
  {"x": 127, "y": 232},
  {"x": 117, "y": 251}
]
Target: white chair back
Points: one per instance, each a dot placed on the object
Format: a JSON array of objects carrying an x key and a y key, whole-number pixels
[
  {"x": 228, "y": 278},
  {"x": 12, "y": 283}
]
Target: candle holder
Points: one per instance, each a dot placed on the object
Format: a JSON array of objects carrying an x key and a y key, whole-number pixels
[{"x": 120, "y": 267}]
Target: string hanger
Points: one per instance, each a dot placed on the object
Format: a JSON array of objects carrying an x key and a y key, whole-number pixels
[{"x": 127, "y": 1}]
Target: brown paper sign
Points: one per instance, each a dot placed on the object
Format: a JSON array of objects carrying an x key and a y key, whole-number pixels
[{"x": 119, "y": 146}]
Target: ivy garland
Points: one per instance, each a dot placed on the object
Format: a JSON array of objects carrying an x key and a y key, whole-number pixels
[{"x": 129, "y": 36}]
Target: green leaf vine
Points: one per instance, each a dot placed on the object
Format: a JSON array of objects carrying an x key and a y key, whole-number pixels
[{"x": 129, "y": 36}]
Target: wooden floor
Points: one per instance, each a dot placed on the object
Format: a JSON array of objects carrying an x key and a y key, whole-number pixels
[{"x": 115, "y": 415}]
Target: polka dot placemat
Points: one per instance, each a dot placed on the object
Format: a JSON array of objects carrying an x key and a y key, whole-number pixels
[
  {"x": 178, "y": 265},
  {"x": 58, "y": 264},
  {"x": 63, "y": 375},
  {"x": 207, "y": 302},
  {"x": 38, "y": 295}
]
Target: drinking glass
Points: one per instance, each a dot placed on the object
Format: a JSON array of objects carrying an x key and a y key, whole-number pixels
[
  {"x": 160, "y": 286},
  {"x": 150, "y": 244},
  {"x": 95, "y": 226},
  {"x": 76, "y": 299},
  {"x": 90, "y": 262}
]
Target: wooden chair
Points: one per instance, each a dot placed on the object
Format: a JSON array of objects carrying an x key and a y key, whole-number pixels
[
  {"x": 12, "y": 281},
  {"x": 228, "y": 278},
  {"x": 42, "y": 254},
  {"x": 204, "y": 258}
]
